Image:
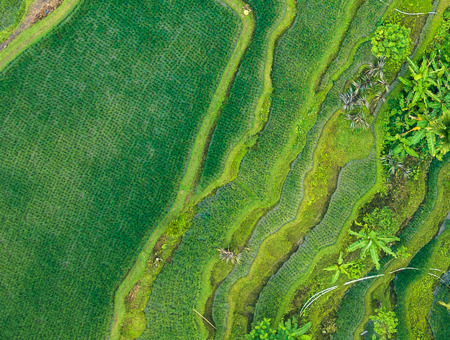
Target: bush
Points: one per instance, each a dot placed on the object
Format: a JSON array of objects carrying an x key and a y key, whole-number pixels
[
  {"x": 385, "y": 324},
  {"x": 286, "y": 331},
  {"x": 381, "y": 219},
  {"x": 391, "y": 41}
]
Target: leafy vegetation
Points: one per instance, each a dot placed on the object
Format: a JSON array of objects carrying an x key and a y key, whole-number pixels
[
  {"x": 339, "y": 268},
  {"x": 385, "y": 324},
  {"x": 391, "y": 41},
  {"x": 288, "y": 330},
  {"x": 419, "y": 120},
  {"x": 370, "y": 241}
]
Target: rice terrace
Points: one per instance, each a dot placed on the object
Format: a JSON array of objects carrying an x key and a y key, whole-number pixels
[{"x": 225, "y": 169}]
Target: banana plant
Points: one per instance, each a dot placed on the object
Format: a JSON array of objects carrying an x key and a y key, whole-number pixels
[
  {"x": 403, "y": 146},
  {"x": 370, "y": 241},
  {"x": 441, "y": 127},
  {"x": 339, "y": 268},
  {"x": 420, "y": 86}
]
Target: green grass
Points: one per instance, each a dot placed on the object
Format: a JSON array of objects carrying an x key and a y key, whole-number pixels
[{"x": 90, "y": 161}]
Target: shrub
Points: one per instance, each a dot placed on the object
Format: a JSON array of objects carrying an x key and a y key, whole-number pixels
[
  {"x": 385, "y": 324},
  {"x": 286, "y": 331},
  {"x": 381, "y": 219},
  {"x": 391, "y": 41}
]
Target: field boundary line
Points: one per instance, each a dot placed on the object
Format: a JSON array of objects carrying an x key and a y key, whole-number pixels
[{"x": 36, "y": 32}]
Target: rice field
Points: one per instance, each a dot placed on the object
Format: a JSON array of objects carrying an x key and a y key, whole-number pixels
[
  {"x": 186, "y": 169},
  {"x": 91, "y": 154}
]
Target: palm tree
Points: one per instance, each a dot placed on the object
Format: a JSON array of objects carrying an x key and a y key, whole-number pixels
[
  {"x": 229, "y": 256},
  {"x": 372, "y": 242},
  {"x": 384, "y": 84},
  {"x": 441, "y": 127},
  {"x": 376, "y": 68},
  {"x": 394, "y": 165},
  {"x": 357, "y": 85},
  {"x": 357, "y": 120},
  {"x": 366, "y": 82},
  {"x": 349, "y": 99},
  {"x": 363, "y": 102},
  {"x": 379, "y": 96},
  {"x": 339, "y": 268}
]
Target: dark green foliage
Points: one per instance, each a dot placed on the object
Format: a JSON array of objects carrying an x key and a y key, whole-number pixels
[
  {"x": 97, "y": 121},
  {"x": 287, "y": 330},
  {"x": 385, "y": 324},
  {"x": 391, "y": 41},
  {"x": 381, "y": 220},
  {"x": 370, "y": 241},
  {"x": 419, "y": 122},
  {"x": 339, "y": 268}
]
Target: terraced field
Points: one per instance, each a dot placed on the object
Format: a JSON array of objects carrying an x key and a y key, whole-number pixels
[{"x": 187, "y": 169}]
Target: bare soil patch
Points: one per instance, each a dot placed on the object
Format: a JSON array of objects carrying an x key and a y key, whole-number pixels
[{"x": 37, "y": 11}]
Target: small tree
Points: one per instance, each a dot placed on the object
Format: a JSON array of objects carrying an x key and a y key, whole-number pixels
[
  {"x": 229, "y": 256},
  {"x": 385, "y": 324},
  {"x": 391, "y": 41}
]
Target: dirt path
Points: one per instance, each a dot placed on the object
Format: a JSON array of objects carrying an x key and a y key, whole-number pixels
[{"x": 38, "y": 10}]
